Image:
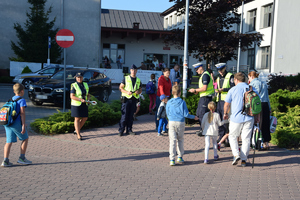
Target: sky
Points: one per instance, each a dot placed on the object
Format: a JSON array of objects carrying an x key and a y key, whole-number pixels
[{"x": 137, "y": 5}]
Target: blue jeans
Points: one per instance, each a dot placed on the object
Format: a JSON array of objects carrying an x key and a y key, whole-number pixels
[
  {"x": 162, "y": 122},
  {"x": 157, "y": 105}
]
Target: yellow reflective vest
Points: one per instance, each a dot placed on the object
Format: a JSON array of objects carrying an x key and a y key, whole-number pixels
[
  {"x": 128, "y": 87},
  {"x": 226, "y": 84},
  {"x": 78, "y": 93},
  {"x": 210, "y": 87}
]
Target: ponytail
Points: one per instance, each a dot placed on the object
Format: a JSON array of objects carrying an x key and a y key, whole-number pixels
[{"x": 212, "y": 107}]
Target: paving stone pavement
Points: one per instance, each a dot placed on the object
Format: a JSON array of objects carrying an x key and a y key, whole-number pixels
[{"x": 106, "y": 166}]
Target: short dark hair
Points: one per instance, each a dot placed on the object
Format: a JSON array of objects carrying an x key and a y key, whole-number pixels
[
  {"x": 152, "y": 76},
  {"x": 240, "y": 77},
  {"x": 166, "y": 69}
]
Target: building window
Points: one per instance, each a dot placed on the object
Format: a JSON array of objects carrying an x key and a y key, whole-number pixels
[
  {"x": 238, "y": 25},
  {"x": 251, "y": 58},
  {"x": 176, "y": 59},
  {"x": 152, "y": 60},
  {"x": 267, "y": 15},
  {"x": 265, "y": 55},
  {"x": 252, "y": 20},
  {"x": 113, "y": 51}
]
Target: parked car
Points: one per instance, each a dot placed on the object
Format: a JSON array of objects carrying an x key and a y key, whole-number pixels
[
  {"x": 51, "y": 90},
  {"x": 28, "y": 78}
]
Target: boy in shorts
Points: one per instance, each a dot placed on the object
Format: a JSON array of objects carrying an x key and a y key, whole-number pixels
[{"x": 17, "y": 129}]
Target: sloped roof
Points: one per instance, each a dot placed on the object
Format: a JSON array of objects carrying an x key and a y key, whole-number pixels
[{"x": 124, "y": 19}]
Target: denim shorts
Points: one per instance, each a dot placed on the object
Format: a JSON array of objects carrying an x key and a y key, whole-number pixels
[{"x": 13, "y": 131}]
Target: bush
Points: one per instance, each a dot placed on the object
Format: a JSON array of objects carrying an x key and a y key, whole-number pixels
[
  {"x": 287, "y": 134},
  {"x": 26, "y": 70},
  {"x": 5, "y": 79},
  {"x": 99, "y": 115},
  {"x": 282, "y": 99},
  {"x": 277, "y": 82}
]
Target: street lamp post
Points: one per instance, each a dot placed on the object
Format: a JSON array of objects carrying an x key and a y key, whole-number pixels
[
  {"x": 241, "y": 30},
  {"x": 186, "y": 35}
]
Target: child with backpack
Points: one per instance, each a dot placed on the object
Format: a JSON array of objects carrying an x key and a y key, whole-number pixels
[
  {"x": 162, "y": 116},
  {"x": 151, "y": 91},
  {"x": 210, "y": 124},
  {"x": 17, "y": 128}
]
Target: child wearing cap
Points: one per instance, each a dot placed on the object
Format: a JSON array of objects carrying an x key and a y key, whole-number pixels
[
  {"x": 161, "y": 115},
  {"x": 177, "y": 112}
]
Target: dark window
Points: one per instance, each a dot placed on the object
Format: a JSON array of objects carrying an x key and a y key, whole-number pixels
[
  {"x": 267, "y": 15},
  {"x": 252, "y": 20}
]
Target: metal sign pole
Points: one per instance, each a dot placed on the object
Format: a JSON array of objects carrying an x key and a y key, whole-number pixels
[
  {"x": 186, "y": 35},
  {"x": 65, "y": 61}
]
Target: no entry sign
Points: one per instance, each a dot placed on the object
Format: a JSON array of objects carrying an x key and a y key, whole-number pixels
[{"x": 64, "y": 38}]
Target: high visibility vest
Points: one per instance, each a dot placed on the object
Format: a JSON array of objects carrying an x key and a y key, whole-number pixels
[
  {"x": 226, "y": 84},
  {"x": 78, "y": 93},
  {"x": 210, "y": 87},
  {"x": 128, "y": 87}
]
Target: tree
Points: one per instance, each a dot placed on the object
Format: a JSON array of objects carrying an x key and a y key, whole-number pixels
[
  {"x": 210, "y": 32},
  {"x": 33, "y": 39}
]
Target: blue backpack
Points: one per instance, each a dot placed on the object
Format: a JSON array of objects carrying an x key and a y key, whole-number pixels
[
  {"x": 8, "y": 112},
  {"x": 150, "y": 88}
]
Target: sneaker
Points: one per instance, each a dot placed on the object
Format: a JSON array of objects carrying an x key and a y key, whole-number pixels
[
  {"x": 6, "y": 164},
  {"x": 172, "y": 162},
  {"x": 219, "y": 147},
  {"x": 206, "y": 161},
  {"x": 199, "y": 133},
  {"x": 164, "y": 132},
  {"x": 24, "y": 161},
  {"x": 216, "y": 157},
  {"x": 243, "y": 164},
  {"x": 120, "y": 134},
  {"x": 236, "y": 160},
  {"x": 131, "y": 133},
  {"x": 180, "y": 160},
  {"x": 159, "y": 134}
]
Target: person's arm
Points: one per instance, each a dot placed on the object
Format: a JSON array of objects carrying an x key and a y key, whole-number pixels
[
  {"x": 204, "y": 120},
  {"x": 226, "y": 110},
  {"x": 121, "y": 88},
  {"x": 186, "y": 113},
  {"x": 160, "y": 87},
  {"x": 159, "y": 111},
  {"x": 22, "y": 114}
]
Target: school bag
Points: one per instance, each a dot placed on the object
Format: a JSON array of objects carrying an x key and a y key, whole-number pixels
[
  {"x": 252, "y": 103},
  {"x": 256, "y": 140},
  {"x": 150, "y": 87},
  {"x": 8, "y": 112},
  {"x": 273, "y": 124}
]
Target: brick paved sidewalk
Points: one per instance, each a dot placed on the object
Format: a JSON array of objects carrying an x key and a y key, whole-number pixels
[{"x": 106, "y": 166}]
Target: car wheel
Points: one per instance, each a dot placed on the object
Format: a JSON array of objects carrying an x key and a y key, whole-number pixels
[
  {"x": 26, "y": 83},
  {"x": 37, "y": 103},
  {"x": 105, "y": 95}
]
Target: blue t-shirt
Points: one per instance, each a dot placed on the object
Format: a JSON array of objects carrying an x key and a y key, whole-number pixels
[
  {"x": 235, "y": 96},
  {"x": 20, "y": 103}
]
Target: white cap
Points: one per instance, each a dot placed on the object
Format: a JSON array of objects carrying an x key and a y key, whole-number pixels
[{"x": 196, "y": 66}]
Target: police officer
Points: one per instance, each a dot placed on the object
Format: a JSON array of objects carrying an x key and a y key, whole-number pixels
[
  {"x": 225, "y": 81},
  {"x": 205, "y": 90},
  {"x": 131, "y": 89}
]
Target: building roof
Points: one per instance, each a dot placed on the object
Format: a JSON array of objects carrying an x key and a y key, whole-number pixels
[{"x": 124, "y": 19}]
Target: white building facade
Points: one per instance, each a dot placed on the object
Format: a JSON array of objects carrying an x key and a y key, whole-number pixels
[{"x": 274, "y": 19}]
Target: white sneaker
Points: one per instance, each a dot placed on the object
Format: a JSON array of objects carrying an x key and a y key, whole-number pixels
[
  {"x": 24, "y": 161},
  {"x": 6, "y": 164}
]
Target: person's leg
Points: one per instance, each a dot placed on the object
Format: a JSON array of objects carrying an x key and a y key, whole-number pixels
[
  {"x": 82, "y": 121},
  {"x": 224, "y": 138},
  {"x": 122, "y": 122},
  {"x": 180, "y": 138},
  {"x": 7, "y": 148},
  {"x": 160, "y": 124},
  {"x": 214, "y": 141},
  {"x": 165, "y": 123},
  {"x": 234, "y": 133},
  {"x": 207, "y": 144},
  {"x": 151, "y": 103},
  {"x": 23, "y": 146},
  {"x": 220, "y": 111},
  {"x": 172, "y": 140},
  {"x": 77, "y": 126},
  {"x": 131, "y": 109},
  {"x": 246, "y": 136},
  {"x": 157, "y": 105}
]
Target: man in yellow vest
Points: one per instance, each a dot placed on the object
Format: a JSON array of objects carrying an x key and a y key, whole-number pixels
[
  {"x": 205, "y": 90},
  {"x": 225, "y": 81},
  {"x": 131, "y": 88}
]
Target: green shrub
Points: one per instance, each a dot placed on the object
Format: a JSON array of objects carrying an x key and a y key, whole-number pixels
[
  {"x": 283, "y": 99},
  {"x": 99, "y": 115},
  {"x": 26, "y": 70},
  {"x": 277, "y": 82},
  {"x": 5, "y": 79}
]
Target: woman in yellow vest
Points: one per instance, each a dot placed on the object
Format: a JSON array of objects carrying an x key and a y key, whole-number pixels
[{"x": 79, "y": 95}]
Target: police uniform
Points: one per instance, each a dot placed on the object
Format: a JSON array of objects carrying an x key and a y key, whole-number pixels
[
  {"x": 224, "y": 82},
  {"x": 81, "y": 90},
  {"x": 129, "y": 103},
  {"x": 205, "y": 96}
]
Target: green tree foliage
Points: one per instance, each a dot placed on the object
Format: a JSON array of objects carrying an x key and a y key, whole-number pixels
[
  {"x": 26, "y": 70},
  {"x": 277, "y": 81},
  {"x": 33, "y": 38},
  {"x": 210, "y": 37}
]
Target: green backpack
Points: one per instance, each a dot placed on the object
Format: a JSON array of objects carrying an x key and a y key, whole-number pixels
[{"x": 252, "y": 103}]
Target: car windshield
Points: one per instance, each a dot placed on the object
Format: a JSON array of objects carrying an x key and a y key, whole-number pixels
[{"x": 60, "y": 75}]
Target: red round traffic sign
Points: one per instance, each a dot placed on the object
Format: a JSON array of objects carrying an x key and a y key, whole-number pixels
[{"x": 64, "y": 38}]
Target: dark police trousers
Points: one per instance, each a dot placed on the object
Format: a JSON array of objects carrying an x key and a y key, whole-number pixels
[
  {"x": 202, "y": 107},
  {"x": 128, "y": 109}
]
